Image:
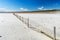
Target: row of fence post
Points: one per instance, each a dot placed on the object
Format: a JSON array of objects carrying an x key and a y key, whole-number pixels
[
  {"x": 22, "y": 19},
  {"x": 54, "y": 30}
]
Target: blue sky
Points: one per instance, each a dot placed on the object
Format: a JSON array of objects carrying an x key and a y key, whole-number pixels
[{"x": 29, "y": 4}]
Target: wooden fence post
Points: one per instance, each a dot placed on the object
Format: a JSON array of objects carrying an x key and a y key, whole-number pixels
[{"x": 54, "y": 33}]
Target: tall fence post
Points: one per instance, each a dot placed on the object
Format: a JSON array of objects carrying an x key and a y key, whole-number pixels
[{"x": 54, "y": 33}]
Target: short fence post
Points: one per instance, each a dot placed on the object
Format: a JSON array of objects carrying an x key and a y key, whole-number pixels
[{"x": 28, "y": 22}]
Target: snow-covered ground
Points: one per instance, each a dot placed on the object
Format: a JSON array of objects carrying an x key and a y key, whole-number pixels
[{"x": 11, "y": 28}]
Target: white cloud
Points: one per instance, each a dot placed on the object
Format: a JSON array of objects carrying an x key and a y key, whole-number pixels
[
  {"x": 23, "y": 9},
  {"x": 2, "y": 9},
  {"x": 41, "y": 8}
]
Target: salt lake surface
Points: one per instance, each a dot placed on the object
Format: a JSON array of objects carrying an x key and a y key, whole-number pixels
[
  {"x": 48, "y": 21},
  {"x": 11, "y": 28}
]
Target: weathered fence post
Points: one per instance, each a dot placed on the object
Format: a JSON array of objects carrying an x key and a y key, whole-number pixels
[
  {"x": 54, "y": 33},
  {"x": 28, "y": 22}
]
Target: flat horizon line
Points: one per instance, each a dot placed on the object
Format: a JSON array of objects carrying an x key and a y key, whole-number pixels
[{"x": 53, "y": 10}]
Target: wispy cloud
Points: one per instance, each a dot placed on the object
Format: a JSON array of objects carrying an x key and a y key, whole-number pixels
[
  {"x": 2, "y": 9},
  {"x": 20, "y": 9},
  {"x": 5, "y": 9},
  {"x": 23, "y": 9},
  {"x": 41, "y": 8}
]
